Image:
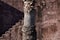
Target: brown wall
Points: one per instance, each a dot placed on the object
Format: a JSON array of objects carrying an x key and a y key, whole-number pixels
[{"x": 48, "y": 19}]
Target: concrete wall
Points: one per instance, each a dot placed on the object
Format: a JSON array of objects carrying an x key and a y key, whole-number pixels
[{"x": 48, "y": 19}]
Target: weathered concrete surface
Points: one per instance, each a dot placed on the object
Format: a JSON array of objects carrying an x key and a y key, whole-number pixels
[
  {"x": 18, "y": 4},
  {"x": 48, "y": 27},
  {"x": 48, "y": 23}
]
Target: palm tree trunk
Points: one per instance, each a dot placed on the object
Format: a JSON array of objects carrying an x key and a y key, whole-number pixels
[{"x": 28, "y": 29}]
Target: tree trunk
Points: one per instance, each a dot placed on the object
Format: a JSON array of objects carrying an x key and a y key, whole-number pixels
[{"x": 28, "y": 29}]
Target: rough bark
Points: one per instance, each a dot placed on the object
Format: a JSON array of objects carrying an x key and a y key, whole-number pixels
[{"x": 28, "y": 28}]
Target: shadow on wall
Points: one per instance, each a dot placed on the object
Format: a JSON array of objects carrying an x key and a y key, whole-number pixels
[{"x": 8, "y": 17}]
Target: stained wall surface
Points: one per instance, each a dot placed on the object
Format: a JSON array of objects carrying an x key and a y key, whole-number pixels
[{"x": 48, "y": 18}]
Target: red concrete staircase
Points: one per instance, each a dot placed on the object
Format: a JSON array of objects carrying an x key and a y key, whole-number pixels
[{"x": 13, "y": 33}]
